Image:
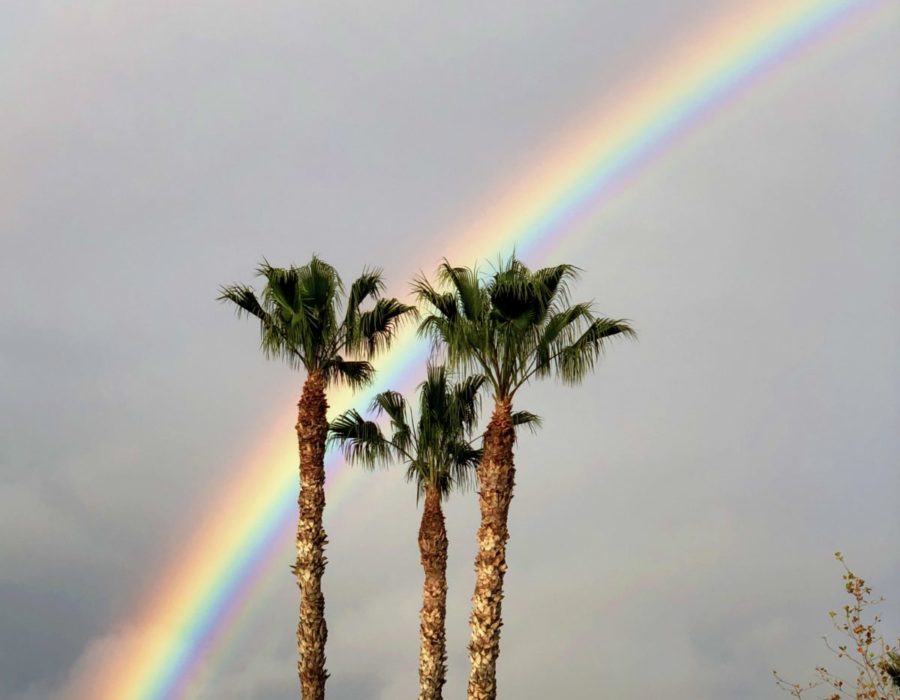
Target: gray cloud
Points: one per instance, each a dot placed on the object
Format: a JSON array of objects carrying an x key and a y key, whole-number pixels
[{"x": 675, "y": 517}]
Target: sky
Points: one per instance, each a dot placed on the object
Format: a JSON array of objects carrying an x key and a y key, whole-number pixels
[{"x": 674, "y": 519}]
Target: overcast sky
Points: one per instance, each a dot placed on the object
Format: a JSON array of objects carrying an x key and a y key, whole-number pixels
[{"x": 674, "y": 519}]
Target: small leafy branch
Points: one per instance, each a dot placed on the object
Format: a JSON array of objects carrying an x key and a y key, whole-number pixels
[{"x": 877, "y": 662}]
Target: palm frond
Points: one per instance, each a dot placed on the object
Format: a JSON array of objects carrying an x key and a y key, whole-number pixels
[
  {"x": 354, "y": 373},
  {"x": 553, "y": 283},
  {"x": 577, "y": 359},
  {"x": 559, "y": 330},
  {"x": 513, "y": 292},
  {"x": 443, "y": 302},
  {"x": 368, "y": 285},
  {"x": 466, "y": 288},
  {"x": 467, "y": 399},
  {"x": 319, "y": 289},
  {"x": 379, "y": 325},
  {"x": 436, "y": 328},
  {"x": 244, "y": 298},
  {"x": 281, "y": 290},
  {"x": 530, "y": 420},
  {"x": 392, "y": 404},
  {"x": 273, "y": 339},
  {"x": 361, "y": 441},
  {"x": 464, "y": 464}
]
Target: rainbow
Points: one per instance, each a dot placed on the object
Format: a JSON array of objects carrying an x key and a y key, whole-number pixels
[{"x": 203, "y": 599}]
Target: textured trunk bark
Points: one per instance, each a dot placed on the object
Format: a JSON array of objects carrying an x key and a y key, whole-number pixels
[
  {"x": 433, "y": 550},
  {"x": 312, "y": 429},
  {"x": 496, "y": 477}
]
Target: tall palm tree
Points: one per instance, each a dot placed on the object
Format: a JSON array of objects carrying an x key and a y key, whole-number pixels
[
  {"x": 439, "y": 457},
  {"x": 306, "y": 318},
  {"x": 512, "y": 326}
]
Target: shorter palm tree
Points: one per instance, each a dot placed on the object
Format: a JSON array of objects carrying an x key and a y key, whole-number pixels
[{"x": 439, "y": 457}]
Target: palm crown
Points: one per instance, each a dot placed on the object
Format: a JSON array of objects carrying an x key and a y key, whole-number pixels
[
  {"x": 435, "y": 447},
  {"x": 307, "y": 319},
  {"x": 514, "y": 324}
]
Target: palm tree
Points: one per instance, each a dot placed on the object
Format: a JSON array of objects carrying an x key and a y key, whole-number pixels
[
  {"x": 439, "y": 457},
  {"x": 511, "y": 326},
  {"x": 306, "y": 318}
]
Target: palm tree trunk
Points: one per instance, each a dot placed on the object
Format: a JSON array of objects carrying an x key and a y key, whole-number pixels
[
  {"x": 496, "y": 476},
  {"x": 312, "y": 429},
  {"x": 433, "y": 550}
]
